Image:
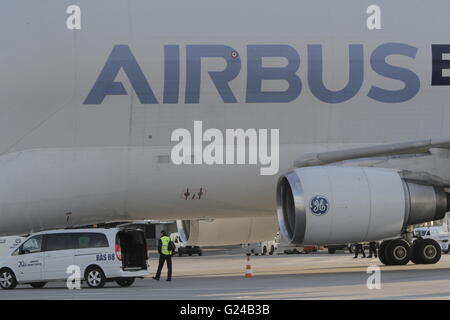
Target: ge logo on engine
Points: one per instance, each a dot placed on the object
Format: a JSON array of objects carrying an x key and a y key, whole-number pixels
[{"x": 319, "y": 205}]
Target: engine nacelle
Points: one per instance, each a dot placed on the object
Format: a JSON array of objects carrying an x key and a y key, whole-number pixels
[
  {"x": 334, "y": 205},
  {"x": 227, "y": 231}
]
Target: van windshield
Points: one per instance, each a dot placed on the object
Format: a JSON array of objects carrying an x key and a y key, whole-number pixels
[{"x": 32, "y": 245}]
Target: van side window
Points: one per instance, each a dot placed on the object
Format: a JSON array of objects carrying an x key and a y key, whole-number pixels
[
  {"x": 63, "y": 241},
  {"x": 32, "y": 245},
  {"x": 91, "y": 240}
]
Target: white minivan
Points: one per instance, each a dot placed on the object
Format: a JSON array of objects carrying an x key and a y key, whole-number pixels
[
  {"x": 116, "y": 254},
  {"x": 262, "y": 248}
]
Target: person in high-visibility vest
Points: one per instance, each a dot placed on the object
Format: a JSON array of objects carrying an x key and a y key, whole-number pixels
[{"x": 165, "y": 249}]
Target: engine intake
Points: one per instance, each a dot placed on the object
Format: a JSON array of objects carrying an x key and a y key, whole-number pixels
[{"x": 334, "y": 205}]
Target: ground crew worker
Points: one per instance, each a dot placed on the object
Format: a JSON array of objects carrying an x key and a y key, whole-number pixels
[
  {"x": 373, "y": 246},
  {"x": 359, "y": 247},
  {"x": 165, "y": 250}
]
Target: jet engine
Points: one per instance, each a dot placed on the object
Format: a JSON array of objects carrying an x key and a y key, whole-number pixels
[
  {"x": 335, "y": 205},
  {"x": 227, "y": 231}
]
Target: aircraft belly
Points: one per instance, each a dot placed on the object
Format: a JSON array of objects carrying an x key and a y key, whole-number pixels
[{"x": 52, "y": 188}]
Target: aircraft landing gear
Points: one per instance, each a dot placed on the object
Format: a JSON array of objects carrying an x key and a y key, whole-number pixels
[
  {"x": 395, "y": 252},
  {"x": 426, "y": 251},
  {"x": 400, "y": 252}
]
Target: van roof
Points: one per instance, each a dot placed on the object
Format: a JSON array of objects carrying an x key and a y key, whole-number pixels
[{"x": 87, "y": 230}]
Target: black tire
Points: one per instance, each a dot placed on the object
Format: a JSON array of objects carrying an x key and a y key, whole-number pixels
[
  {"x": 446, "y": 251},
  {"x": 382, "y": 253},
  {"x": 8, "y": 279},
  {"x": 272, "y": 250},
  {"x": 398, "y": 252},
  {"x": 331, "y": 250},
  {"x": 95, "y": 278},
  {"x": 190, "y": 254},
  {"x": 414, "y": 256},
  {"x": 38, "y": 285},
  {"x": 256, "y": 254},
  {"x": 200, "y": 254},
  {"x": 428, "y": 251},
  {"x": 264, "y": 251},
  {"x": 125, "y": 282}
]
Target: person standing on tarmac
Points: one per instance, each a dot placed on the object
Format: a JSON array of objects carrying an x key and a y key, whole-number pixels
[
  {"x": 359, "y": 247},
  {"x": 165, "y": 250},
  {"x": 373, "y": 246}
]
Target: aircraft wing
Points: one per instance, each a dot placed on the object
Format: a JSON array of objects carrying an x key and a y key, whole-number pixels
[{"x": 410, "y": 147}]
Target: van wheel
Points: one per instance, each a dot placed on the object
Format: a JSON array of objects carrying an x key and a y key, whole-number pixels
[
  {"x": 95, "y": 277},
  {"x": 7, "y": 279},
  {"x": 125, "y": 282},
  {"x": 38, "y": 285}
]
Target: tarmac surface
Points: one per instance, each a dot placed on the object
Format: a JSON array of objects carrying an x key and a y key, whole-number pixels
[{"x": 219, "y": 274}]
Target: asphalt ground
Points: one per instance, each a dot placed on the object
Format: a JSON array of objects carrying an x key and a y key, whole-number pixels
[{"x": 219, "y": 274}]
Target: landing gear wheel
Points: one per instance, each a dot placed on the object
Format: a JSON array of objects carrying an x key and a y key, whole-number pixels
[
  {"x": 414, "y": 256},
  {"x": 38, "y": 285},
  {"x": 95, "y": 277},
  {"x": 382, "y": 253},
  {"x": 397, "y": 252},
  {"x": 272, "y": 250},
  {"x": 7, "y": 279},
  {"x": 125, "y": 282},
  {"x": 427, "y": 251}
]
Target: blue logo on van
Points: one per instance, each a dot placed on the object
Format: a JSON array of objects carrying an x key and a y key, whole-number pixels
[{"x": 319, "y": 205}]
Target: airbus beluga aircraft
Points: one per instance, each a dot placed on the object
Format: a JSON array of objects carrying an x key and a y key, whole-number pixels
[{"x": 235, "y": 118}]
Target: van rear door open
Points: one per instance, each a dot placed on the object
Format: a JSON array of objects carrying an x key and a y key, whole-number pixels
[{"x": 132, "y": 249}]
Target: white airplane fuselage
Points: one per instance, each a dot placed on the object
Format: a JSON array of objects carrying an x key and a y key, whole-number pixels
[{"x": 86, "y": 116}]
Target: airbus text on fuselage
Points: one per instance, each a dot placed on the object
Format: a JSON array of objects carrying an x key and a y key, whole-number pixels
[{"x": 122, "y": 58}]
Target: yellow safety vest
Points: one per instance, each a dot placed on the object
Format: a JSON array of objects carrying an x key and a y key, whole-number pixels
[{"x": 165, "y": 246}]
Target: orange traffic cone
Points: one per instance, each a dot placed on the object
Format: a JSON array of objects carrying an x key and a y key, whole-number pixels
[{"x": 248, "y": 269}]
